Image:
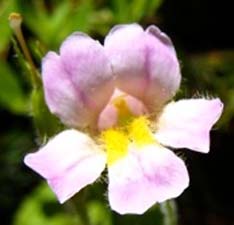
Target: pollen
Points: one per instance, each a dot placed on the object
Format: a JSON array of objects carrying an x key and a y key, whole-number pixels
[
  {"x": 116, "y": 144},
  {"x": 139, "y": 132}
]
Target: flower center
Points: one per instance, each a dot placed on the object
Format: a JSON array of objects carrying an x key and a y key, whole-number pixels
[
  {"x": 130, "y": 131},
  {"x": 123, "y": 111}
]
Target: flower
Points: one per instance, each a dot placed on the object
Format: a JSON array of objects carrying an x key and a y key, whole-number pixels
[{"x": 115, "y": 99}]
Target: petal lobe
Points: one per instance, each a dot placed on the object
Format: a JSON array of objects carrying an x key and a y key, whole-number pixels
[
  {"x": 187, "y": 123},
  {"x": 69, "y": 162},
  {"x": 145, "y": 177}
]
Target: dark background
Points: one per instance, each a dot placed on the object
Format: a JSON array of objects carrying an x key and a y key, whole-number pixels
[{"x": 204, "y": 27}]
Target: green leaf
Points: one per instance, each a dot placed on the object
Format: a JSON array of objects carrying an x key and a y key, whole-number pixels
[
  {"x": 98, "y": 213},
  {"x": 81, "y": 16},
  {"x": 46, "y": 124},
  {"x": 42, "y": 208},
  {"x": 121, "y": 11},
  {"x": 134, "y": 10},
  {"x": 36, "y": 18},
  {"x": 141, "y": 8},
  {"x": 57, "y": 22},
  {"x": 12, "y": 96},
  {"x": 138, "y": 9},
  {"x": 152, "y": 6}
]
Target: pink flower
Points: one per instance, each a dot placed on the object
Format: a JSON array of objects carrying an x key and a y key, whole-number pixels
[{"x": 117, "y": 96}]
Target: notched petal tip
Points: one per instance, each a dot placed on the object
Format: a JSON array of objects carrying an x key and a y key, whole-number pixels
[{"x": 155, "y": 31}]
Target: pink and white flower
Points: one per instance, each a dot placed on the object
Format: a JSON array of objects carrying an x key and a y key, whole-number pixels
[{"x": 114, "y": 97}]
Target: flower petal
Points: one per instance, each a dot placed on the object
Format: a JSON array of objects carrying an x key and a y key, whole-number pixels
[
  {"x": 69, "y": 162},
  {"x": 146, "y": 176},
  {"x": 79, "y": 82},
  {"x": 108, "y": 117},
  {"x": 187, "y": 123},
  {"x": 145, "y": 63}
]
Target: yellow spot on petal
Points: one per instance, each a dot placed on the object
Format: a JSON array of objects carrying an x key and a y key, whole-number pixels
[
  {"x": 116, "y": 144},
  {"x": 139, "y": 132},
  {"x": 131, "y": 131},
  {"x": 124, "y": 113}
]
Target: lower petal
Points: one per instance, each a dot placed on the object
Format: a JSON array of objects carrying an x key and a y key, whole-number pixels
[
  {"x": 69, "y": 162},
  {"x": 145, "y": 177}
]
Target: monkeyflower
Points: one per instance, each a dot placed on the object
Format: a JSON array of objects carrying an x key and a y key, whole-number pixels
[{"x": 115, "y": 99}]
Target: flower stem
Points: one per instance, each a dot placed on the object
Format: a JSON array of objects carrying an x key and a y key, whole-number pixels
[
  {"x": 169, "y": 210},
  {"x": 15, "y": 20},
  {"x": 78, "y": 207}
]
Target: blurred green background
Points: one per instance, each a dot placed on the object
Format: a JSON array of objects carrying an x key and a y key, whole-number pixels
[{"x": 202, "y": 34}]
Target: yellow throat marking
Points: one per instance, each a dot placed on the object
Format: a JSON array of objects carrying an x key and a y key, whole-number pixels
[
  {"x": 131, "y": 131},
  {"x": 124, "y": 113}
]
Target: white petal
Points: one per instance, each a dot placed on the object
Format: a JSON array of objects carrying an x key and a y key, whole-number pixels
[
  {"x": 79, "y": 82},
  {"x": 146, "y": 176},
  {"x": 145, "y": 63},
  {"x": 69, "y": 162},
  {"x": 187, "y": 123}
]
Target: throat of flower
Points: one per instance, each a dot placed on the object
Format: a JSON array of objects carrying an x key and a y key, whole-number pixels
[
  {"x": 124, "y": 113},
  {"x": 118, "y": 141},
  {"x": 140, "y": 133},
  {"x": 116, "y": 144}
]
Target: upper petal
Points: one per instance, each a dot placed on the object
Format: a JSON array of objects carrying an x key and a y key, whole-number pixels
[
  {"x": 69, "y": 162},
  {"x": 187, "y": 123},
  {"x": 144, "y": 62},
  {"x": 146, "y": 176},
  {"x": 79, "y": 82}
]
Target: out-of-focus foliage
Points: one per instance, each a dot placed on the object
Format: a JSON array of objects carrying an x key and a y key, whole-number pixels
[
  {"x": 46, "y": 124},
  {"x": 13, "y": 179},
  {"x": 53, "y": 21},
  {"x": 12, "y": 96},
  {"x": 214, "y": 73},
  {"x": 41, "y": 207},
  {"x": 46, "y": 23},
  {"x": 125, "y": 11},
  {"x": 6, "y": 7}
]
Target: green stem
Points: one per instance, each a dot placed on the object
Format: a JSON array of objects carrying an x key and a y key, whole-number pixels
[
  {"x": 15, "y": 20},
  {"x": 78, "y": 207},
  {"x": 169, "y": 211}
]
